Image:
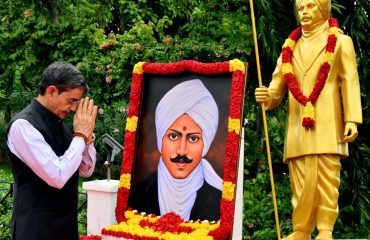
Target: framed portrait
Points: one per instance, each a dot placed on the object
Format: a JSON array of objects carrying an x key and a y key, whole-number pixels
[{"x": 181, "y": 149}]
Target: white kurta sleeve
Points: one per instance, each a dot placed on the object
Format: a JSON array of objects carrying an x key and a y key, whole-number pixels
[{"x": 28, "y": 144}]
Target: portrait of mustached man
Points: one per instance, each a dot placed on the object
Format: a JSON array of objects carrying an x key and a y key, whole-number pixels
[
  {"x": 186, "y": 121},
  {"x": 317, "y": 67}
]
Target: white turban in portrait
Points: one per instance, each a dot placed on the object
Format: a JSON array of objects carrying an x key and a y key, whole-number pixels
[
  {"x": 191, "y": 98},
  {"x": 324, "y": 6}
]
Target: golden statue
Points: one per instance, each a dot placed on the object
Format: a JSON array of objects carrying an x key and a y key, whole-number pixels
[{"x": 318, "y": 68}]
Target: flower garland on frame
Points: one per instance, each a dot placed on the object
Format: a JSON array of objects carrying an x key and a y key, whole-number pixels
[
  {"x": 219, "y": 230},
  {"x": 169, "y": 226},
  {"x": 290, "y": 79}
]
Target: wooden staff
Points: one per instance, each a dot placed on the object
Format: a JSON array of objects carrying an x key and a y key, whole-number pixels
[{"x": 265, "y": 121}]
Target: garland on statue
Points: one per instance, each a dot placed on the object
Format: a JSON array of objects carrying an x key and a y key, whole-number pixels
[{"x": 290, "y": 79}]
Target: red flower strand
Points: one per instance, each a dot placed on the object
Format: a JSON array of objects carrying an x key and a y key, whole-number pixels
[
  {"x": 169, "y": 222},
  {"x": 291, "y": 80}
]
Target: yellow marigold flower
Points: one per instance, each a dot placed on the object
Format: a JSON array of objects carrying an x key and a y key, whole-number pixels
[
  {"x": 132, "y": 225},
  {"x": 233, "y": 125},
  {"x": 195, "y": 235},
  {"x": 287, "y": 68},
  {"x": 289, "y": 43},
  {"x": 228, "y": 191},
  {"x": 333, "y": 30},
  {"x": 214, "y": 226},
  {"x": 138, "y": 68},
  {"x": 134, "y": 221},
  {"x": 328, "y": 57},
  {"x": 131, "y": 123},
  {"x": 199, "y": 225},
  {"x": 236, "y": 64},
  {"x": 129, "y": 214},
  {"x": 125, "y": 181},
  {"x": 309, "y": 111}
]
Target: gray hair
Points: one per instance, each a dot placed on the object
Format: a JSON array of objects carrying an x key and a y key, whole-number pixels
[{"x": 62, "y": 75}]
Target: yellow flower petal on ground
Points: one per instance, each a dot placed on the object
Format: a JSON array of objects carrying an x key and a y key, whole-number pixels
[{"x": 129, "y": 214}]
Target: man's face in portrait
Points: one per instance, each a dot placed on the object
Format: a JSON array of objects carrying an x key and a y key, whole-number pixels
[
  {"x": 309, "y": 13},
  {"x": 182, "y": 147}
]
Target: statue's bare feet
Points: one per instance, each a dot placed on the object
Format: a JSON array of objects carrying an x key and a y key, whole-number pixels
[
  {"x": 324, "y": 235},
  {"x": 298, "y": 235}
]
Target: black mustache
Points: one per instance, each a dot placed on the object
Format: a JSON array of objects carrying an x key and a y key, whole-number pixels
[{"x": 181, "y": 159}]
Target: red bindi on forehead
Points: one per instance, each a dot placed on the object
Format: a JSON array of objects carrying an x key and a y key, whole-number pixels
[{"x": 184, "y": 128}]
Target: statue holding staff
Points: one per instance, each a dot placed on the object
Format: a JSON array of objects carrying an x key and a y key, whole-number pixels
[{"x": 317, "y": 67}]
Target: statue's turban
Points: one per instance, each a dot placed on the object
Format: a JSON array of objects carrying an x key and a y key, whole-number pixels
[{"x": 324, "y": 6}]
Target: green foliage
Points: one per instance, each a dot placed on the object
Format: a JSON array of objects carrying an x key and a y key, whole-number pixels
[
  {"x": 355, "y": 194},
  {"x": 3, "y": 125},
  {"x": 82, "y": 214},
  {"x": 215, "y": 36},
  {"x": 113, "y": 122},
  {"x": 6, "y": 206},
  {"x": 354, "y": 19},
  {"x": 5, "y": 217},
  {"x": 259, "y": 218}
]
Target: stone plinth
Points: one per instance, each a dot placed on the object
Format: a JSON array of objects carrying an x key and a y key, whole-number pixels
[{"x": 101, "y": 204}]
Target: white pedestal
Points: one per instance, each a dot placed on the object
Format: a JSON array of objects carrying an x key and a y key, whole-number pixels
[
  {"x": 101, "y": 204},
  {"x": 238, "y": 214}
]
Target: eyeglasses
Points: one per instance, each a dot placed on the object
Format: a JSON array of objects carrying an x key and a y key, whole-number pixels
[{"x": 71, "y": 101}]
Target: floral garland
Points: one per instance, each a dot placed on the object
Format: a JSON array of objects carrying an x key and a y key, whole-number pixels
[
  {"x": 167, "y": 227},
  {"x": 290, "y": 79},
  {"x": 219, "y": 230}
]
